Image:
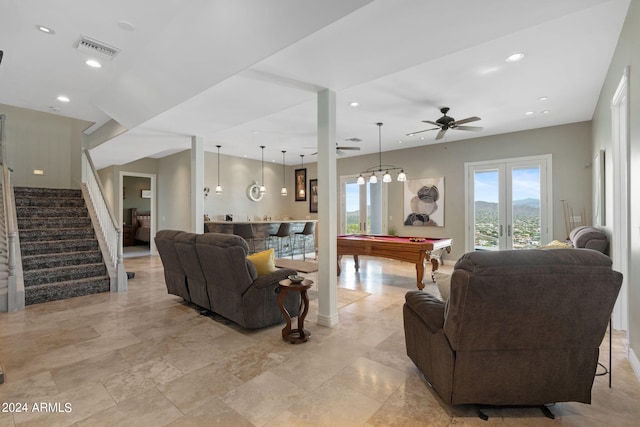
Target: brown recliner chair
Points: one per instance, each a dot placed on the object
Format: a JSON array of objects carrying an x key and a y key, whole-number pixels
[
  {"x": 519, "y": 328},
  {"x": 174, "y": 275}
]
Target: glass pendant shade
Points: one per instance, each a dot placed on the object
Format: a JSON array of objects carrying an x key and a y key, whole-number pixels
[
  {"x": 218, "y": 187},
  {"x": 361, "y": 180},
  {"x": 263, "y": 189},
  {"x": 373, "y": 179},
  {"x": 386, "y": 177},
  {"x": 283, "y": 191},
  {"x": 402, "y": 176}
]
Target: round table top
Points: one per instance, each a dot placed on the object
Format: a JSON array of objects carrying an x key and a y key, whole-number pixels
[{"x": 305, "y": 284}]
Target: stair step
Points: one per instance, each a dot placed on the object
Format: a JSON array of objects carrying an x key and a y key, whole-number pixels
[
  {"x": 58, "y": 246},
  {"x": 63, "y": 290},
  {"x": 46, "y": 192},
  {"x": 40, "y": 212},
  {"x": 63, "y": 274},
  {"x": 49, "y": 202},
  {"x": 38, "y": 235},
  {"x": 36, "y": 262},
  {"x": 54, "y": 222}
]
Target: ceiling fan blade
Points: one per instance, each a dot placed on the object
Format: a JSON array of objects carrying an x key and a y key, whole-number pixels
[
  {"x": 313, "y": 154},
  {"x": 420, "y": 131},
  {"x": 432, "y": 123},
  {"x": 467, "y": 120},
  {"x": 473, "y": 128},
  {"x": 348, "y": 148},
  {"x": 440, "y": 134}
]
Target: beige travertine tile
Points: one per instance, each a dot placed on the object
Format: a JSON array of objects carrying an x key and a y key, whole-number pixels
[
  {"x": 140, "y": 379},
  {"x": 76, "y": 404},
  {"x": 92, "y": 369},
  {"x": 370, "y": 378},
  {"x": 263, "y": 398},
  {"x": 147, "y": 409},
  {"x": 37, "y": 386},
  {"x": 212, "y": 413},
  {"x": 108, "y": 341},
  {"x": 190, "y": 391}
]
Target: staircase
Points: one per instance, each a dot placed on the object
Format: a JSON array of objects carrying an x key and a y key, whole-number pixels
[{"x": 61, "y": 257}]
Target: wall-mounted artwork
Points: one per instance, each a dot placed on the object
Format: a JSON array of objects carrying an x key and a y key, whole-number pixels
[
  {"x": 424, "y": 202},
  {"x": 313, "y": 195},
  {"x": 145, "y": 194}
]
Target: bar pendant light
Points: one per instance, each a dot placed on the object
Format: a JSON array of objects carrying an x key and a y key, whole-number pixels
[
  {"x": 263, "y": 189},
  {"x": 283, "y": 192},
  {"x": 218, "y": 187}
]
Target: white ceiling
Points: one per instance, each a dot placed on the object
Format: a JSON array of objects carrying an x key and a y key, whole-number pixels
[{"x": 242, "y": 73}]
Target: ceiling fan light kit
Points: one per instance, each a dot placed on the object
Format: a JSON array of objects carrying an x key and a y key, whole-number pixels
[
  {"x": 386, "y": 177},
  {"x": 445, "y": 123}
]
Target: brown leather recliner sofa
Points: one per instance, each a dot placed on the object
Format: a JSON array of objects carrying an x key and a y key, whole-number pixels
[
  {"x": 590, "y": 238},
  {"x": 212, "y": 271},
  {"x": 519, "y": 328}
]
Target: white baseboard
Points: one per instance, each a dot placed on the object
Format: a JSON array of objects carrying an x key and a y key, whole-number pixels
[
  {"x": 635, "y": 362},
  {"x": 329, "y": 321}
]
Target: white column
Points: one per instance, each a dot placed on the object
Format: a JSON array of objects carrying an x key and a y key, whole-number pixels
[
  {"x": 327, "y": 210},
  {"x": 197, "y": 184}
]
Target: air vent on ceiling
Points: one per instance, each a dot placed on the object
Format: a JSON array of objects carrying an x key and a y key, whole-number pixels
[
  {"x": 89, "y": 45},
  {"x": 353, "y": 140}
]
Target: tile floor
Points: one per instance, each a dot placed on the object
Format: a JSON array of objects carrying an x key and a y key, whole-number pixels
[{"x": 143, "y": 358}]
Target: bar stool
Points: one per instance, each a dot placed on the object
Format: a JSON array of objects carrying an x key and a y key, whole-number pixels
[
  {"x": 246, "y": 232},
  {"x": 283, "y": 231},
  {"x": 309, "y": 228}
]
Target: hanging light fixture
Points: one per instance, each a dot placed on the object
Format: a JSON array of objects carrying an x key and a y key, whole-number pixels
[
  {"x": 263, "y": 189},
  {"x": 386, "y": 177},
  {"x": 218, "y": 187},
  {"x": 301, "y": 190},
  {"x": 283, "y": 192}
]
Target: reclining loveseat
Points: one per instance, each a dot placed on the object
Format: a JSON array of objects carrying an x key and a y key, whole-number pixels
[{"x": 212, "y": 271}]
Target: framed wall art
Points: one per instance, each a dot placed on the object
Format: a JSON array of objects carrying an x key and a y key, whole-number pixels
[
  {"x": 301, "y": 185},
  {"x": 424, "y": 202},
  {"x": 313, "y": 195}
]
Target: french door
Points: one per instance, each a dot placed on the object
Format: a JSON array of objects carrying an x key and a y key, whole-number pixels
[
  {"x": 361, "y": 207},
  {"x": 508, "y": 203}
]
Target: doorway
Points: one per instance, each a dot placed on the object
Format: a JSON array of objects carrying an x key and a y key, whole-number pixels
[
  {"x": 138, "y": 213},
  {"x": 362, "y": 207},
  {"x": 620, "y": 212}
]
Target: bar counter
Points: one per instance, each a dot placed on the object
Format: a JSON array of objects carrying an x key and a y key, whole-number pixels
[{"x": 262, "y": 229}]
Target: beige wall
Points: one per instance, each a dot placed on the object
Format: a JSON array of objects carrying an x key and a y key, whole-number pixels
[
  {"x": 627, "y": 55},
  {"x": 568, "y": 144},
  {"x": 174, "y": 192},
  {"x": 237, "y": 174},
  {"x": 110, "y": 179},
  {"x": 50, "y": 142}
]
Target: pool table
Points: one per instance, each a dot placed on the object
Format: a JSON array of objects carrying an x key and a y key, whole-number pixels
[{"x": 417, "y": 250}]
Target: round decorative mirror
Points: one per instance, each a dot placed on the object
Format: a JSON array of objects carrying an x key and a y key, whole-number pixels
[{"x": 253, "y": 192}]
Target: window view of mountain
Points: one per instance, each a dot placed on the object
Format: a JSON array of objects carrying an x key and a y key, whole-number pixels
[{"x": 526, "y": 224}]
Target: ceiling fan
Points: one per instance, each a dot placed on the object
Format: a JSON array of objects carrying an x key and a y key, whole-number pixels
[
  {"x": 445, "y": 123},
  {"x": 341, "y": 148}
]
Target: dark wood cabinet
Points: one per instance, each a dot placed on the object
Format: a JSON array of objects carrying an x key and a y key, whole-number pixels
[{"x": 127, "y": 235}]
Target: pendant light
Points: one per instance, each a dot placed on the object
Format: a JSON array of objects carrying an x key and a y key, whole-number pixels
[
  {"x": 386, "y": 177},
  {"x": 263, "y": 189},
  {"x": 283, "y": 192},
  {"x": 301, "y": 192},
  {"x": 218, "y": 187}
]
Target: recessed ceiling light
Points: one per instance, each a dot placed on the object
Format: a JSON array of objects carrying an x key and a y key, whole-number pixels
[
  {"x": 127, "y": 26},
  {"x": 546, "y": 112},
  {"x": 543, "y": 98},
  {"x": 354, "y": 104},
  {"x": 515, "y": 57},
  {"x": 93, "y": 63},
  {"x": 63, "y": 98},
  {"x": 529, "y": 113},
  {"x": 399, "y": 141},
  {"x": 422, "y": 138},
  {"x": 489, "y": 70},
  {"x": 45, "y": 30}
]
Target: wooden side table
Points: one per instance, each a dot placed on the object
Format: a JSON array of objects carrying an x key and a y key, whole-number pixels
[{"x": 300, "y": 334}]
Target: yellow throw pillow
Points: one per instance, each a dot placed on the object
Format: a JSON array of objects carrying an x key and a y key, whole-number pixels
[{"x": 264, "y": 261}]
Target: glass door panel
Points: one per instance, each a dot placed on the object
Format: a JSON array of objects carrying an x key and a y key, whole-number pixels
[
  {"x": 361, "y": 207},
  {"x": 486, "y": 203},
  {"x": 526, "y": 215},
  {"x": 352, "y": 208}
]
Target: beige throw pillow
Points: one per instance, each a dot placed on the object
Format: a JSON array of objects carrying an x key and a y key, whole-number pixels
[{"x": 443, "y": 281}]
